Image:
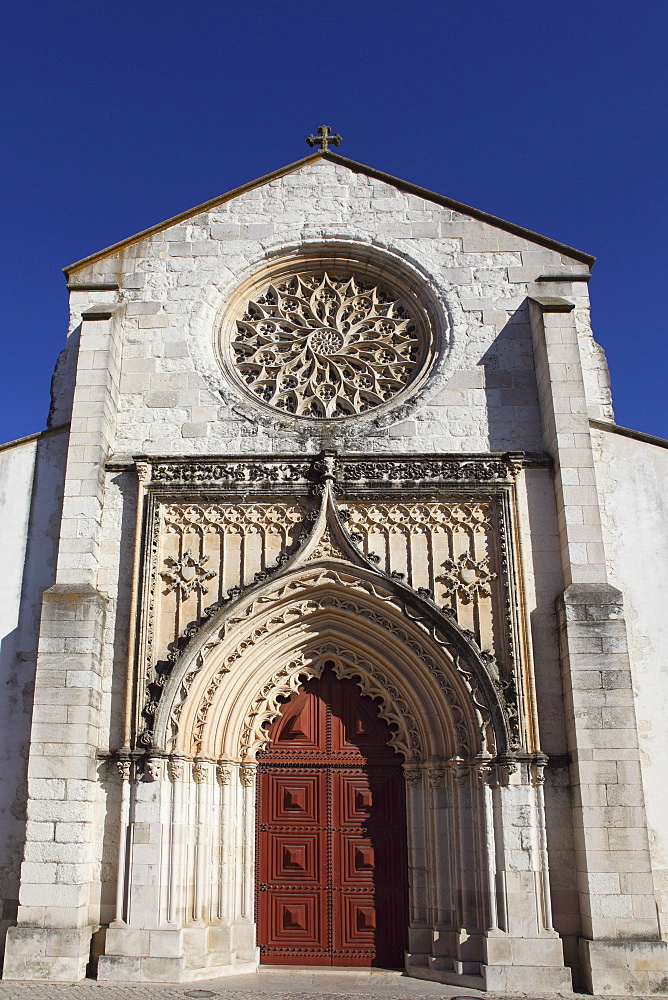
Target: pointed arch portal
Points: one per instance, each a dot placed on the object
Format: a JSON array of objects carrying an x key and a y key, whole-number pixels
[
  {"x": 331, "y": 845},
  {"x": 347, "y": 694}
]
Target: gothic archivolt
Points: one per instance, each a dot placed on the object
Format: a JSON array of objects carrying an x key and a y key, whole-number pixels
[
  {"x": 229, "y": 685},
  {"x": 242, "y": 594},
  {"x": 447, "y": 548}
]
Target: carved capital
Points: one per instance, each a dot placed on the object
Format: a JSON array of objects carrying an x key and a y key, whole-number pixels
[
  {"x": 412, "y": 776},
  {"x": 486, "y": 774},
  {"x": 200, "y": 770},
  {"x": 508, "y": 767},
  {"x": 247, "y": 774},
  {"x": 124, "y": 766},
  {"x": 153, "y": 769},
  {"x": 175, "y": 767},
  {"x": 537, "y": 775},
  {"x": 461, "y": 776},
  {"x": 436, "y": 777},
  {"x": 224, "y": 773},
  {"x": 143, "y": 470}
]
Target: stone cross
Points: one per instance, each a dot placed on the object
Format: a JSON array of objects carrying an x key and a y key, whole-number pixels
[{"x": 324, "y": 138}]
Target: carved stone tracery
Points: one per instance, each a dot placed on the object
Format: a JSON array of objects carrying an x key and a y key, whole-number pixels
[
  {"x": 467, "y": 577},
  {"x": 187, "y": 573},
  {"x": 328, "y": 346},
  {"x": 472, "y": 516},
  {"x": 371, "y": 680}
]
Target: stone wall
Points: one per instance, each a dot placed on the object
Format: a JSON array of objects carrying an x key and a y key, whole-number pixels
[
  {"x": 516, "y": 369},
  {"x": 635, "y": 507},
  {"x": 175, "y": 283},
  {"x": 31, "y": 483}
]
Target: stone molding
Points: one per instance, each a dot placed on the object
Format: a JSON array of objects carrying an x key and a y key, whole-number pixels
[{"x": 196, "y": 521}]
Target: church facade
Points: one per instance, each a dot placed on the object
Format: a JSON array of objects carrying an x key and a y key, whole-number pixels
[{"x": 334, "y": 609}]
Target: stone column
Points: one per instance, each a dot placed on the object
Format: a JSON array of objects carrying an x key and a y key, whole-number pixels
[
  {"x": 620, "y": 950},
  {"x": 420, "y": 931},
  {"x": 55, "y": 917}
]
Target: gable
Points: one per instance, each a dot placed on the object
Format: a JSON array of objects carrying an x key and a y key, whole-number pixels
[{"x": 457, "y": 219}]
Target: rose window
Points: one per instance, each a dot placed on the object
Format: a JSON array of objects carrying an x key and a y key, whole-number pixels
[{"x": 321, "y": 346}]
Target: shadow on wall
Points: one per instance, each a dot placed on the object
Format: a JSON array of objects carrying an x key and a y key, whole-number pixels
[
  {"x": 63, "y": 382},
  {"x": 18, "y": 654},
  {"x": 121, "y": 499},
  {"x": 510, "y": 387},
  {"x": 545, "y": 555}
]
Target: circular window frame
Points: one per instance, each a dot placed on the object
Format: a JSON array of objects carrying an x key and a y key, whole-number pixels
[{"x": 394, "y": 275}]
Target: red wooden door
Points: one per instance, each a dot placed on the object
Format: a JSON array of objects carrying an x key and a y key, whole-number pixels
[{"x": 331, "y": 839}]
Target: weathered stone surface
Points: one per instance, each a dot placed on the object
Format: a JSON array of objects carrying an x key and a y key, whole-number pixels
[{"x": 214, "y": 546}]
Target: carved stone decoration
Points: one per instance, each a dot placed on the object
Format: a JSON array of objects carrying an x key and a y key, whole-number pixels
[
  {"x": 223, "y": 773},
  {"x": 242, "y": 474},
  {"x": 537, "y": 775},
  {"x": 284, "y": 605},
  {"x": 247, "y": 774},
  {"x": 153, "y": 769},
  {"x": 461, "y": 776},
  {"x": 216, "y": 518},
  {"x": 412, "y": 776},
  {"x": 327, "y": 548},
  {"x": 143, "y": 470},
  {"x": 124, "y": 769},
  {"x": 486, "y": 774},
  {"x": 187, "y": 574},
  {"x": 415, "y": 539},
  {"x": 175, "y": 768},
  {"x": 287, "y": 680},
  {"x": 414, "y": 532},
  {"x": 200, "y": 770},
  {"x": 436, "y": 777},
  {"x": 467, "y": 577},
  {"x": 259, "y": 473},
  {"x": 451, "y": 470},
  {"x": 321, "y": 346}
]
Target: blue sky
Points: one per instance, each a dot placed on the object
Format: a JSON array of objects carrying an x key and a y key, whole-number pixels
[{"x": 116, "y": 116}]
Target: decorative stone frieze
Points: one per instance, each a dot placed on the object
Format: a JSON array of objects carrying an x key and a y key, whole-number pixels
[{"x": 259, "y": 473}]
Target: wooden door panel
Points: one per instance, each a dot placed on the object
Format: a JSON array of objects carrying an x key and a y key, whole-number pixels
[
  {"x": 362, "y": 799},
  {"x": 298, "y": 920},
  {"x": 360, "y": 860},
  {"x": 294, "y": 799},
  {"x": 295, "y": 859},
  {"x": 368, "y": 930},
  {"x": 301, "y": 725},
  {"x": 331, "y": 839}
]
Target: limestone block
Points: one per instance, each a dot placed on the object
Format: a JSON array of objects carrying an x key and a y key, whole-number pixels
[
  {"x": 52, "y": 954},
  {"x": 624, "y": 967}
]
